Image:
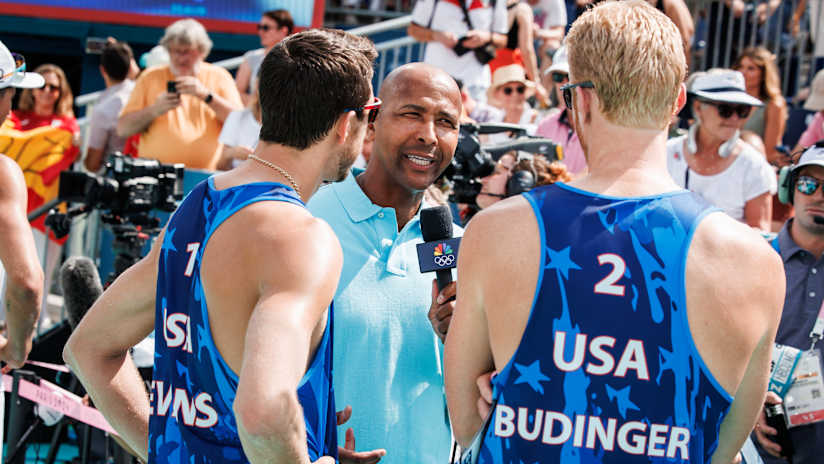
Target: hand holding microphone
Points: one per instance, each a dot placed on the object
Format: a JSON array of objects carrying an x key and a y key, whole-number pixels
[{"x": 439, "y": 254}]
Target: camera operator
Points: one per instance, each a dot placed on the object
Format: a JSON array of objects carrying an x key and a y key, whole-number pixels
[
  {"x": 179, "y": 109},
  {"x": 23, "y": 276},
  {"x": 801, "y": 246},
  {"x": 461, "y": 37}
]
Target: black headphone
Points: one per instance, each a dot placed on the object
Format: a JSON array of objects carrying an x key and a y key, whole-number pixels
[
  {"x": 788, "y": 176},
  {"x": 520, "y": 182}
]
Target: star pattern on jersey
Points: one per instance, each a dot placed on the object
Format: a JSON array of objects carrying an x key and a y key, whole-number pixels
[
  {"x": 532, "y": 376},
  {"x": 168, "y": 241},
  {"x": 560, "y": 260},
  {"x": 622, "y": 400}
]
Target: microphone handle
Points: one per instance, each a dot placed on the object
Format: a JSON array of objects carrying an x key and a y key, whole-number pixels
[{"x": 444, "y": 278}]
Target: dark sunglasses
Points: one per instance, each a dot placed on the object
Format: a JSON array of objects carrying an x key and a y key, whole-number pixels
[
  {"x": 725, "y": 110},
  {"x": 566, "y": 90},
  {"x": 558, "y": 77},
  {"x": 50, "y": 87},
  {"x": 264, "y": 27},
  {"x": 372, "y": 110},
  {"x": 807, "y": 185},
  {"x": 520, "y": 89}
]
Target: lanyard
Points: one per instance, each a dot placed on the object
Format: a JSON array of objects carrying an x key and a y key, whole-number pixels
[{"x": 818, "y": 329}]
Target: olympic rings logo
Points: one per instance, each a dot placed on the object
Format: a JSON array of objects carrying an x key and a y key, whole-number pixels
[{"x": 444, "y": 260}]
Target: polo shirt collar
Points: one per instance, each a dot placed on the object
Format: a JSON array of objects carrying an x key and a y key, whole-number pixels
[
  {"x": 787, "y": 246},
  {"x": 357, "y": 205}
]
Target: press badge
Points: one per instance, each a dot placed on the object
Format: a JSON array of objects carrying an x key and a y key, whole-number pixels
[
  {"x": 785, "y": 360},
  {"x": 804, "y": 402}
]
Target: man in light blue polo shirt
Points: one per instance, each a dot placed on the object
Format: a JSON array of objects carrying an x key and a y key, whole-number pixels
[{"x": 387, "y": 354}]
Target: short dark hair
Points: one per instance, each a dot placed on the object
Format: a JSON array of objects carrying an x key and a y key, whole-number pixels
[
  {"x": 308, "y": 80},
  {"x": 283, "y": 18},
  {"x": 116, "y": 59}
]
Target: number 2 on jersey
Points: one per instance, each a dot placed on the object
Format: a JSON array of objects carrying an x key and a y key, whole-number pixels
[
  {"x": 190, "y": 266},
  {"x": 607, "y": 285}
]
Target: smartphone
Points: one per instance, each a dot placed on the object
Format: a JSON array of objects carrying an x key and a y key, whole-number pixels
[
  {"x": 171, "y": 86},
  {"x": 94, "y": 45}
]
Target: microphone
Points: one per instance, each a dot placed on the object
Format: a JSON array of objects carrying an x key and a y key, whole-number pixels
[
  {"x": 81, "y": 287},
  {"x": 439, "y": 252}
]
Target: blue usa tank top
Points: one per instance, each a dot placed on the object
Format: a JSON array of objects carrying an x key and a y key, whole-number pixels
[
  {"x": 607, "y": 371},
  {"x": 193, "y": 387}
]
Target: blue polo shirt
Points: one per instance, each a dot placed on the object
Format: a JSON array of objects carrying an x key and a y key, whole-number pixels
[{"x": 387, "y": 359}]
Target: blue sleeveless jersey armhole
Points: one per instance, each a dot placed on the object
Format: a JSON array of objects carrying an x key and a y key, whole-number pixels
[{"x": 193, "y": 387}]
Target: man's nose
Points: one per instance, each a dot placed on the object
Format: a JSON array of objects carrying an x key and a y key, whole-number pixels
[{"x": 426, "y": 132}]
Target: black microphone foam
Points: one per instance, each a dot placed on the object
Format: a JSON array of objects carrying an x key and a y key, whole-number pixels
[
  {"x": 818, "y": 220},
  {"x": 436, "y": 223},
  {"x": 81, "y": 287}
]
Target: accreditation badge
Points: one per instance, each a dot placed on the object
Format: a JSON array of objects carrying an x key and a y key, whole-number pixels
[{"x": 804, "y": 402}]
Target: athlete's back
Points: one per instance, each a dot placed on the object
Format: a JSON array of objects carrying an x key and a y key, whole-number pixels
[
  {"x": 194, "y": 387},
  {"x": 606, "y": 370}
]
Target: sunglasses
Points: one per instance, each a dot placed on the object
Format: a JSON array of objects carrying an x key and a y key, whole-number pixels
[
  {"x": 19, "y": 67},
  {"x": 520, "y": 89},
  {"x": 558, "y": 77},
  {"x": 566, "y": 90},
  {"x": 807, "y": 185},
  {"x": 726, "y": 110},
  {"x": 264, "y": 27},
  {"x": 50, "y": 88},
  {"x": 372, "y": 110}
]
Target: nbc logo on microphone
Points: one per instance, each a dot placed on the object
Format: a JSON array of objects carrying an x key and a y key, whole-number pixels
[{"x": 443, "y": 255}]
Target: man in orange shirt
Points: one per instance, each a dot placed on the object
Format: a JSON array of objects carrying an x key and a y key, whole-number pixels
[{"x": 179, "y": 109}]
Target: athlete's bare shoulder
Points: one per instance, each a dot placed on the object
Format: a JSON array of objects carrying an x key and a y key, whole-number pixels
[
  {"x": 735, "y": 292},
  {"x": 12, "y": 183}
]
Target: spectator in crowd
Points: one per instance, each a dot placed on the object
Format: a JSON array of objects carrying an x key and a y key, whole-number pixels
[
  {"x": 387, "y": 356},
  {"x": 558, "y": 126},
  {"x": 115, "y": 66},
  {"x": 509, "y": 92},
  {"x": 21, "y": 277},
  {"x": 678, "y": 12},
  {"x": 801, "y": 246},
  {"x": 520, "y": 47},
  {"x": 459, "y": 36},
  {"x": 42, "y": 114},
  {"x": 273, "y": 27},
  {"x": 713, "y": 162},
  {"x": 550, "y": 25},
  {"x": 732, "y": 23},
  {"x": 816, "y": 27},
  {"x": 815, "y": 102},
  {"x": 179, "y": 109},
  {"x": 512, "y": 177},
  {"x": 240, "y": 133},
  {"x": 761, "y": 78},
  {"x": 609, "y": 269}
]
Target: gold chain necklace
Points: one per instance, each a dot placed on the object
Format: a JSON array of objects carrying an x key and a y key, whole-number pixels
[{"x": 279, "y": 169}]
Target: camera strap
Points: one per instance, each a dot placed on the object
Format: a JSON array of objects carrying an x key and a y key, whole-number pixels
[{"x": 469, "y": 21}]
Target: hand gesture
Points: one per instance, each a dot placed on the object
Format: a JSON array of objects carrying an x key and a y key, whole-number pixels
[
  {"x": 484, "y": 382},
  {"x": 762, "y": 430},
  {"x": 190, "y": 85},
  {"x": 165, "y": 102},
  {"x": 347, "y": 454},
  {"x": 440, "y": 311}
]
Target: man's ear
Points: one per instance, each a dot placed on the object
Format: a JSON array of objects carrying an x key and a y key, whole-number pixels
[
  {"x": 681, "y": 100},
  {"x": 341, "y": 128}
]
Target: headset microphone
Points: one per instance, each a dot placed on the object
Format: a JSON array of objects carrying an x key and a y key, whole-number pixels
[{"x": 81, "y": 287}]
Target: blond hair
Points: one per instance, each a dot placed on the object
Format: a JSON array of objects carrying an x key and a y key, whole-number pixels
[
  {"x": 634, "y": 55},
  {"x": 187, "y": 32}
]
